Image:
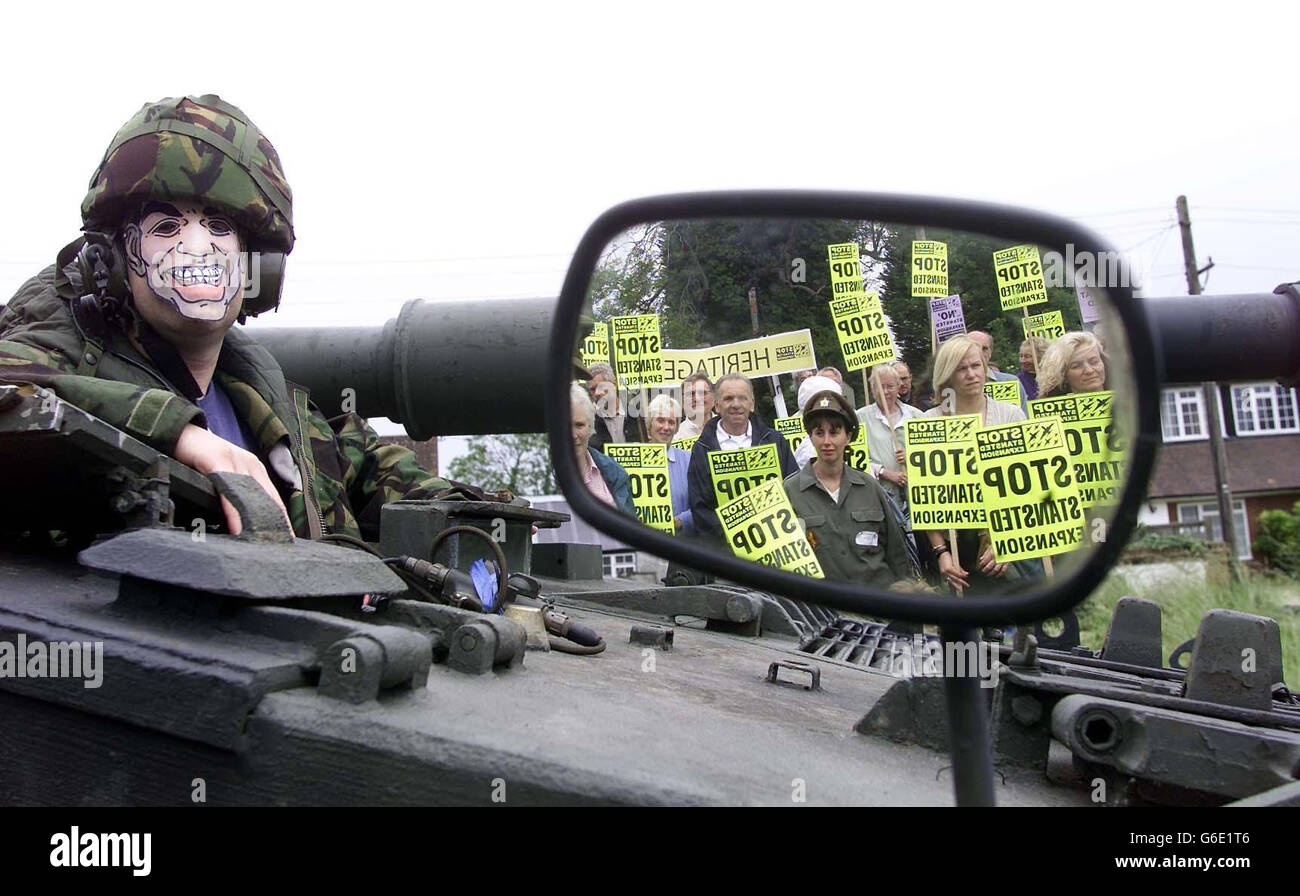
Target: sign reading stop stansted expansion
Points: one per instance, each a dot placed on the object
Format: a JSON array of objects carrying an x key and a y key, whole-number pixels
[
  {"x": 1028, "y": 483},
  {"x": 1007, "y": 391},
  {"x": 638, "y": 357},
  {"x": 864, "y": 337},
  {"x": 1049, "y": 325},
  {"x": 736, "y": 472},
  {"x": 846, "y": 270},
  {"x": 1020, "y": 277},
  {"x": 647, "y": 469},
  {"x": 929, "y": 269},
  {"x": 792, "y": 429},
  {"x": 1093, "y": 441},
  {"x": 943, "y": 485},
  {"x": 761, "y": 525}
]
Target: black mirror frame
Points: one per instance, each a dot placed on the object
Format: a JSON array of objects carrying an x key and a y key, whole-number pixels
[{"x": 1003, "y": 221}]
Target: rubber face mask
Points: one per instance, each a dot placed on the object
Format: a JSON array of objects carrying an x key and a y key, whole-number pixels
[{"x": 187, "y": 256}]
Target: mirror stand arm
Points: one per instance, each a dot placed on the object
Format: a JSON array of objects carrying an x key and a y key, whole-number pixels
[{"x": 968, "y": 726}]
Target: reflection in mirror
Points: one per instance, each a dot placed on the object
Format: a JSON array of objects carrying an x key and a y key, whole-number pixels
[{"x": 896, "y": 406}]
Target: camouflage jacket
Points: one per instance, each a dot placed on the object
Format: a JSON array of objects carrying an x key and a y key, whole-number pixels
[{"x": 334, "y": 475}]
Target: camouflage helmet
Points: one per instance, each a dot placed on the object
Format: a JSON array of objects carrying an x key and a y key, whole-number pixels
[{"x": 194, "y": 148}]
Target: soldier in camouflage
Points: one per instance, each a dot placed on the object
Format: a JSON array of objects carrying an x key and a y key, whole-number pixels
[{"x": 134, "y": 322}]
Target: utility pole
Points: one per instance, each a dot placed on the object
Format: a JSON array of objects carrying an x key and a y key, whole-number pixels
[{"x": 1218, "y": 452}]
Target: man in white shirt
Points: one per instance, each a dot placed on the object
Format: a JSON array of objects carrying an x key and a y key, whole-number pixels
[{"x": 736, "y": 426}]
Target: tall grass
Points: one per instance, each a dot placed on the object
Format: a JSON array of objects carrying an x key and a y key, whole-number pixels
[{"x": 1183, "y": 604}]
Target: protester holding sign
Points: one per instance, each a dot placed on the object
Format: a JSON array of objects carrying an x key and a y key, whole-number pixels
[
  {"x": 1031, "y": 348},
  {"x": 603, "y": 477},
  {"x": 663, "y": 429},
  {"x": 960, "y": 371},
  {"x": 886, "y": 421},
  {"x": 735, "y": 427},
  {"x": 612, "y": 423},
  {"x": 844, "y": 511},
  {"x": 1074, "y": 363}
]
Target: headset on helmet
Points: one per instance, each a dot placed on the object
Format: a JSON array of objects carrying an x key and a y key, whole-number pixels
[{"x": 199, "y": 148}]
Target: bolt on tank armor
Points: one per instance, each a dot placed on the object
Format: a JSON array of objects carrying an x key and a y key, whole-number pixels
[{"x": 204, "y": 149}]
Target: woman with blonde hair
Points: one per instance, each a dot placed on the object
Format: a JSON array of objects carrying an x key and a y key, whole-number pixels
[
  {"x": 960, "y": 372},
  {"x": 886, "y": 423},
  {"x": 1074, "y": 363}
]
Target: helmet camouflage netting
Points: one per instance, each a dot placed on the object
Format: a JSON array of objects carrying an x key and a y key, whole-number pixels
[{"x": 199, "y": 148}]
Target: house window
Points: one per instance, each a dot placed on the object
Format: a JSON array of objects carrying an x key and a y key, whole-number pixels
[
  {"x": 619, "y": 565},
  {"x": 1182, "y": 415},
  {"x": 1264, "y": 409},
  {"x": 1194, "y": 513}
]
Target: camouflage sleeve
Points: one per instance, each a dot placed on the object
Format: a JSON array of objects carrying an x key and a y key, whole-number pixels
[
  {"x": 375, "y": 474},
  {"x": 154, "y": 416}
]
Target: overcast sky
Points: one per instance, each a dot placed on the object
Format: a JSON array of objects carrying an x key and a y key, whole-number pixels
[{"x": 457, "y": 153}]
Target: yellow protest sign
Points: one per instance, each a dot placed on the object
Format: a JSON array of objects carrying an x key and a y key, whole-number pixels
[
  {"x": 856, "y": 454},
  {"x": 638, "y": 358},
  {"x": 1049, "y": 325},
  {"x": 1033, "y": 503},
  {"x": 760, "y": 525},
  {"x": 929, "y": 269},
  {"x": 864, "y": 337},
  {"x": 1094, "y": 443},
  {"x": 846, "y": 271},
  {"x": 686, "y": 443},
  {"x": 595, "y": 346},
  {"x": 943, "y": 486},
  {"x": 1020, "y": 277},
  {"x": 736, "y": 472},
  {"x": 764, "y": 356},
  {"x": 1003, "y": 390},
  {"x": 647, "y": 468},
  {"x": 792, "y": 429}
]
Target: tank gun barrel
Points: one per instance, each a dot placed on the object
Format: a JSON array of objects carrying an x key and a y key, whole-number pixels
[
  {"x": 438, "y": 368},
  {"x": 1237, "y": 337}
]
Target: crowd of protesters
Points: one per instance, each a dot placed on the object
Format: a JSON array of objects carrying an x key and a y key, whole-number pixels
[{"x": 856, "y": 520}]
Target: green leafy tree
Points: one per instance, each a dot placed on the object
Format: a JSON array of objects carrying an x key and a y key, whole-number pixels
[
  {"x": 970, "y": 275},
  {"x": 518, "y": 462},
  {"x": 1278, "y": 539},
  {"x": 697, "y": 276}
]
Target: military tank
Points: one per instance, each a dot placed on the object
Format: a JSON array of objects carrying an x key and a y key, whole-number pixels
[{"x": 194, "y": 666}]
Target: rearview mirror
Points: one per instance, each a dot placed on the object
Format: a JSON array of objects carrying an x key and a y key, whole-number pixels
[{"x": 701, "y": 322}]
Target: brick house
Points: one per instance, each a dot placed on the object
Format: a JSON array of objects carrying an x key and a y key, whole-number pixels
[{"x": 1262, "y": 440}]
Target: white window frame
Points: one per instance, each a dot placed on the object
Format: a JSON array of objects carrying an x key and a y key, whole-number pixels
[
  {"x": 1204, "y": 509},
  {"x": 618, "y": 564},
  {"x": 1181, "y": 400},
  {"x": 1275, "y": 396}
]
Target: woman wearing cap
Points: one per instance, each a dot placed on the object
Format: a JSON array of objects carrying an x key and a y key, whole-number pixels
[
  {"x": 843, "y": 510},
  {"x": 960, "y": 372},
  {"x": 809, "y": 387}
]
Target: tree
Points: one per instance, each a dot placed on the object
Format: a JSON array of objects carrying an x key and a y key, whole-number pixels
[
  {"x": 697, "y": 275},
  {"x": 1278, "y": 539},
  {"x": 970, "y": 275},
  {"x": 518, "y": 462}
]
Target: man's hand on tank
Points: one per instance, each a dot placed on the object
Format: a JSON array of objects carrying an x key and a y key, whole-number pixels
[{"x": 209, "y": 453}]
